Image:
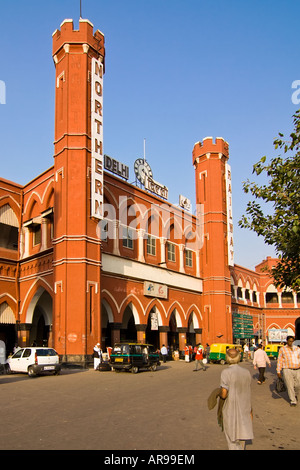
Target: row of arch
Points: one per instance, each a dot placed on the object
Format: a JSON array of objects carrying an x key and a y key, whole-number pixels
[
  {"x": 37, "y": 314},
  {"x": 140, "y": 313}
]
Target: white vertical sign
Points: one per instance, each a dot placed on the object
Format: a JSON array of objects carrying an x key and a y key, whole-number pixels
[
  {"x": 229, "y": 215},
  {"x": 97, "y": 139}
]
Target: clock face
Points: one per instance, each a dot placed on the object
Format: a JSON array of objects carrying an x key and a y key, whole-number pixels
[{"x": 142, "y": 169}]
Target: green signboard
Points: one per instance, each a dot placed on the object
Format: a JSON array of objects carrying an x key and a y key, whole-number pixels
[{"x": 242, "y": 325}]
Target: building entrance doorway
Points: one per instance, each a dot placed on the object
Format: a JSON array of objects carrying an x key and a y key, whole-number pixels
[
  {"x": 128, "y": 331},
  {"x": 173, "y": 335},
  {"x": 152, "y": 333},
  {"x": 39, "y": 314}
]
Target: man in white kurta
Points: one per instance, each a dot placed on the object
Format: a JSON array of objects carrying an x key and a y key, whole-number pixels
[
  {"x": 97, "y": 356},
  {"x": 237, "y": 410}
]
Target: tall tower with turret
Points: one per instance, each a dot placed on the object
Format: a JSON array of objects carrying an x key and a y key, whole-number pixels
[
  {"x": 78, "y": 151},
  {"x": 213, "y": 192}
]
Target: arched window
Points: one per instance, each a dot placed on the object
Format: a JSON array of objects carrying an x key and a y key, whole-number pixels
[{"x": 9, "y": 228}]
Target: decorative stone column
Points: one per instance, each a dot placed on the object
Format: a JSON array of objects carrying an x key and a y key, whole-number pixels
[
  {"x": 141, "y": 333},
  {"x": 198, "y": 332},
  {"x": 141, "y": 255},
  {"x": 182, "y": 337},
  {"x": 115, "y": 332},
  {"x": 181, "y": 258},
  {"x": 44, "y": 227},
  {"x": 163, "y": 251},
  {"x": 116, "y": 237},
  {"x": 163, "y": 335}
]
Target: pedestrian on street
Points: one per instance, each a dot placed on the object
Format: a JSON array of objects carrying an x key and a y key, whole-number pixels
[
  {"x": 199, "y": 358},
  {"x": 288, "y": 368},
  {"x": 237, "y": 409},
  {"x": 260, "y": 361},
  {"x": 164, "y": 353},
  {"x": 187, "y": 354},
  {"x": 190, "y": 352},
  {"x": 246, "y": 351},
  {"x": 97, "y": 356},
  {"x": 207, "y": 352}
]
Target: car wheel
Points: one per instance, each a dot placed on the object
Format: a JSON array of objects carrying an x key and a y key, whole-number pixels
[
  {"x": 7, "y": 369},
  {"x": 31, "y": 372},
  {"x": 153, "y": 367},
  {"x": 222, "y": 362},
  {"x": 135, "y": 370}
]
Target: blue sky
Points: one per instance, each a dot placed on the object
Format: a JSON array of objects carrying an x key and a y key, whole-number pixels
[{"x": 176, "y": 71}]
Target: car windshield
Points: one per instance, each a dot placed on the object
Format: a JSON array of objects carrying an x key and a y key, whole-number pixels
[{"x": 18, "y": 354}]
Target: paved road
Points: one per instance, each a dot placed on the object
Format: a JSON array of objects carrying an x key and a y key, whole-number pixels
[{"x": 162, "y": 410}]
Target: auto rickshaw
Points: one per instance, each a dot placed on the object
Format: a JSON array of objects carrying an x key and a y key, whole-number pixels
[
  {"x": 272, "y": 350},
  {"x": 133, "y": 357},
  {"x": 218, "y": 351}
]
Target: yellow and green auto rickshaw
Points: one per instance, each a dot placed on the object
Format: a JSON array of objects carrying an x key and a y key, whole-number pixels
[
  {"x": 218, "y": 351},
  {"x": 272, "y": 350}
]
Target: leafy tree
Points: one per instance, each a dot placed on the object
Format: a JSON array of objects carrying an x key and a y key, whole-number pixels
[{"x": 279, "y": 226}]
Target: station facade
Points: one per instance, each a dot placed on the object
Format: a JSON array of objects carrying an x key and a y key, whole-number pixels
[{"x": 86, "y": 256}]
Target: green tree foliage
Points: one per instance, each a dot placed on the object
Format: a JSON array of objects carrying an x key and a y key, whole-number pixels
[{"x": 279, "y": 223}]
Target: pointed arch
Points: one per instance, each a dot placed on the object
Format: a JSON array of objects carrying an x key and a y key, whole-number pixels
[
  {"x": 180, "y": 314},
  {"x": 108, "y": 309},
  {"x": 159, "y": 308},
  {"x": 7, "y": 315},
  {"x": 107, "y": 294},
  {"x": 176, "y": 315},
  {"x": 32, "y": 296},
  {"x": 135, "y": 305},
  {"x": 48, "y": 196},
  {"x": 197, "y": 316},
  {"x": 13, "y": 204},
  {"x": 33, "y": 206}
]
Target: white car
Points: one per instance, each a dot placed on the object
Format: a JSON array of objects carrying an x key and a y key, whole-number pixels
[{"x": 34, "y": 361}]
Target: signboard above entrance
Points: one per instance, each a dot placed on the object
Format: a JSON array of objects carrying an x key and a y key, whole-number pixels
[{"x": 155, "y": 290}]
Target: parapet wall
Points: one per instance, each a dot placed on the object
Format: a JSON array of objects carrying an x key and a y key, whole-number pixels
[{"x": 208, "y": 146}]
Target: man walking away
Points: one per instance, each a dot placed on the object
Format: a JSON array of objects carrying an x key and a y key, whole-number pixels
[
  {"x": 164, "y": 353},
  {"x": 237, "y": 410},
  {"x": 260, "y": 361},
  {"x": 288, "y": 368}
]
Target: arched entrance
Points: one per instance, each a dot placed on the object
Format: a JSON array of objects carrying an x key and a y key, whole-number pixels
[
  {"x": 191, "y": 334},
  {"x": 39, "y": 314},
  {"x": 106, "y": 322},
  {"x": 128, "y": 331},
  {"x": 173, "y": 335},
  {"x": 152, "y": 333}
]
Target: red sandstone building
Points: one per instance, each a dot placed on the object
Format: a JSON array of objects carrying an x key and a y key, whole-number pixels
[{"x": 85, "y": 256}]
